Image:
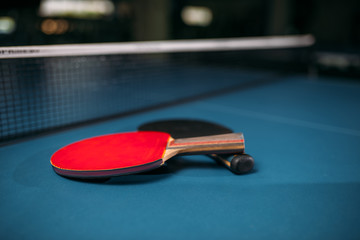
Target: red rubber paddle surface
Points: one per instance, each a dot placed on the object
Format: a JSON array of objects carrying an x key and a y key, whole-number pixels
[{"x": 114, "y": 151}]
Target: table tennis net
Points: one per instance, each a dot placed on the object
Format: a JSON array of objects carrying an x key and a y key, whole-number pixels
[{"x": 63, "y": 86}]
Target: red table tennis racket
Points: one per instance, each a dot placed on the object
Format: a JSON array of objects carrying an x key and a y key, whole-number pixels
[
  {"x": 133, "y": 152},
  {"x": 184, "y": 128}
]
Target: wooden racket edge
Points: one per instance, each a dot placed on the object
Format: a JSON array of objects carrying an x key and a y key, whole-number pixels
[{"x": 108, "y": 173}]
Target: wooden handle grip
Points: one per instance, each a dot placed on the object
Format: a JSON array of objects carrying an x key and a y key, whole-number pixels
[{"x": 224, "y": 143}]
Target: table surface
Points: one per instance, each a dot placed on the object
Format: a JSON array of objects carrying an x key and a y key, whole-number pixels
[{"x": 304, "y": 134}]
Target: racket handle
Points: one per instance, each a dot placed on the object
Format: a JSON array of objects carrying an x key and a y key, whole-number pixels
[
  {"x": 224, "y": 143},
  {"x": 239, "y": 164}
]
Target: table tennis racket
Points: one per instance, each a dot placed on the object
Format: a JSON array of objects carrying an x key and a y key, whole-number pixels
[
  {"x": 185, "y": 128},
  {"x": 133, "y": 152}
]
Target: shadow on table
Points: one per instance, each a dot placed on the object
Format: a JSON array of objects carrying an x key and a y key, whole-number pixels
[{"x": 170, "y": 169}]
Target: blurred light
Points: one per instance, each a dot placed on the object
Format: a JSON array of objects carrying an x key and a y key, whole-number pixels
[
  {"x": 197, "y": 16},
  {"x": 341, "y": 61},
  {"x": 54, "y": 26},
  {"x": 76, "y": 8},
  {"x": 7, "y": 25}
]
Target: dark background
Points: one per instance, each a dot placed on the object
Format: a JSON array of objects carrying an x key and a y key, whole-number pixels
[{"x": 333, "y": 22}]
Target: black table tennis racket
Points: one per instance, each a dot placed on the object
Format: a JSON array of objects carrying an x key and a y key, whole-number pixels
[{"x": 186, "y": 128}]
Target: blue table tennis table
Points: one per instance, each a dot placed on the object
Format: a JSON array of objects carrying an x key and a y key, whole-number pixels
[{"x": 303, "y": 132}]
